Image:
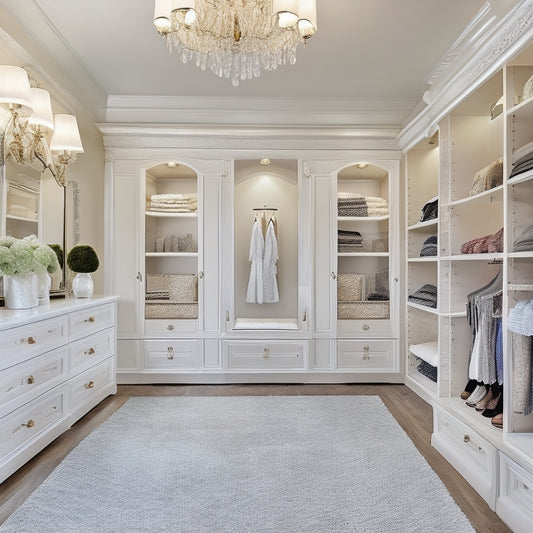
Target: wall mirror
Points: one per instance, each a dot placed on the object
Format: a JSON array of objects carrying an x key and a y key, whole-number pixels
[{"x": 33, "y": 203}]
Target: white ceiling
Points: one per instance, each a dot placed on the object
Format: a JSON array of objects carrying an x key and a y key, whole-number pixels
[{"x": 375, "y": 50}]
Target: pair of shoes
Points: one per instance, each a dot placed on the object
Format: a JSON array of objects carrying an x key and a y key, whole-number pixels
[
  {"x": 482, "y": 404},
  {"x": 479, "y": 392},
  {"x": 497, "y": 421},
  {"x": 495, "y": 406},
  {"x": 469, "y": 389}
]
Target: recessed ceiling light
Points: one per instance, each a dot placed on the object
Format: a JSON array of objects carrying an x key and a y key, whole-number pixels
[
  {"x": 172, "y": 164},
  {"x": 265, "y": 161}
]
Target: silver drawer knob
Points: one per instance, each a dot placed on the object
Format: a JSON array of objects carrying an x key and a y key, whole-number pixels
[{"x": 266, "y": 354}]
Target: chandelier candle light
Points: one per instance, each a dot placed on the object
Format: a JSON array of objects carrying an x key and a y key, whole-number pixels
[{"x": 236, "y": 38}]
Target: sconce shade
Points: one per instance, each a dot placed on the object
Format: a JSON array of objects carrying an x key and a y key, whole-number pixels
[
  {"x": 66, "y": 135},
  {"x": 287, "y": 10},
  {"x": 14, "y": 86},
  {"x": 42, "y": 109},
  {"x": 162, "y": 9}
]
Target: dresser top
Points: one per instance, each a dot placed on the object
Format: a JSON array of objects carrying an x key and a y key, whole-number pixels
[{"x": 10, "y": 318}]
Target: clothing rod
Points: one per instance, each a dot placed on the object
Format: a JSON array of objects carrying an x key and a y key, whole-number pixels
[{"x": 265, "y": 208}]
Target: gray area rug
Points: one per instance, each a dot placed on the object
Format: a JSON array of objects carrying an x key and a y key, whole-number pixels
[{"x": 243, "y": 464}]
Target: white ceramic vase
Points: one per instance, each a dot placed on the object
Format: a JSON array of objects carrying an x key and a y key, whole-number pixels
[
  {"x": 21, "y": 291},
  {"x": 44, "y": 282},
  {"x": 82, "y": 285}
]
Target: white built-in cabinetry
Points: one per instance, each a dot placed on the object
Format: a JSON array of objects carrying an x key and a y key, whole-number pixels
[
  {"x": 56, "y": 363},
  {"x": 497, "y": 462}
]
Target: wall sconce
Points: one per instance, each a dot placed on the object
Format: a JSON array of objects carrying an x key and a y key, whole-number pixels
[{"x": 26, "y": 128}]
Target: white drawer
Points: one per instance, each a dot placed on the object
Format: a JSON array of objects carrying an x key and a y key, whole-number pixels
[
  {"x": 87, "y": 321},
  {"x": 175, "y": 354},
  {"x": 23, "y": 425},
  {"x": 515, "y": 500},
  {"x": 364, "y": 328},
  {"x": 90, "y": 350},
  {"x": 471, "y": 455},
  {"x": 269, "y": 356},
  {"x": 367, "y": 356},
  {"x": 24, "y": 342},
  {"x": 168, "y": 327},
  {"x": 87, "y": 385},
  {"x": 24, "y": 382}
]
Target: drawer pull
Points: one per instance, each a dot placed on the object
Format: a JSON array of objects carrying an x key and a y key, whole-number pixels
[
  {"x": 170, "y": 354},
  {"x": 31, "y": 380},
  {"x": 29, "y": 424},
  {"x": 333, "y": 275},
  {"x": 466, "y": 438},
  {"x": 170, "y": 327},
  {"x": 266, "y": 354},
  {"x": 366, "y": 353},
  {"x": 90, "y": 351},
  {"x": 90, "y": 385},
  {"x": 90, "y": 319},
  {"x": 365, "y": 327}
]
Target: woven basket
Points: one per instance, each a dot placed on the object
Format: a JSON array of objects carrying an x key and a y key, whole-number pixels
[
  {"x": 170, "y": 310},
  {"x": 350, "y": 287},
  {"x": 365, "y": 309}
]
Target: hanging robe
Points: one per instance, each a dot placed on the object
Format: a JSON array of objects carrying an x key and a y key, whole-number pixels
[
  {"x": 254, "y": 294},
  {"x": 270, "y": 268}
]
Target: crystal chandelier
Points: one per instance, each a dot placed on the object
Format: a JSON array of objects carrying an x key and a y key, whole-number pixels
[{"x": 236, "y": 38}]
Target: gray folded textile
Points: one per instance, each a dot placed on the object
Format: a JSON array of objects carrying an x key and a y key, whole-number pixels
[
  {"x": 426, "y": 295},
  {"x": 429, "y": 246},
  {"x": 524, "y": 242}
]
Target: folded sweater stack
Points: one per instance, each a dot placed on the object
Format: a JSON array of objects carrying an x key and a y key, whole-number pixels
[
  {"x": 522, "y": 160},
  {"x": 429, "y": 246},
  {"x": 174, "y": 203},
  {"x": 524, "y": 242},
  {"x": 357, "y": 205},
  {"x": 426, "y": 295},
  {"x": 491, "y": 244}
]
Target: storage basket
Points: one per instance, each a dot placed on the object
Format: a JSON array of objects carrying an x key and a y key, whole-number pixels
[
  {"x": 350, "y": 287},
  {"x": 366, "y": 309},
  {"x": 171, "y": 310},
  {"x": 183, "y": 288}
]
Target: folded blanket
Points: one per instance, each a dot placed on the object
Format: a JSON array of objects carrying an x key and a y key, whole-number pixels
[
  {"x": 491, "y": 244},
  {"x": 524, "y": 242},
  {"x": 428, "y": 370},
  {"x": 429, "y": 246},
  {"x": 173, "y": 198},
  {"x": 487, "y": 178},
  {"x": 426, "y": 295},
  {"x": 522, "y": 165},
  {"x": 522, "y": 152}
]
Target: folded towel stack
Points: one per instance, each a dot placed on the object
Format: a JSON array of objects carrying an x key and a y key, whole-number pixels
[
  {"x": 349, "y": 241},
  {"x": 174, "y": 203},
  {"x": 357, "y": 205},
  {"x": 429, "y": 246},
  {"x": 524, "y": 242},
  {"x": 426, "y": 295},
  {"x": 491, "y": 244}
]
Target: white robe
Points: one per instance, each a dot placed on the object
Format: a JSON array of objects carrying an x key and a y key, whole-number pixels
[
  {"x": 254, "y": 294},
  {"x": 270, "y": 269}
]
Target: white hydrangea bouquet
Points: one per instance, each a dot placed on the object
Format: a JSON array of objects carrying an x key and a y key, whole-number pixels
[{"x": 20, "y": 256}]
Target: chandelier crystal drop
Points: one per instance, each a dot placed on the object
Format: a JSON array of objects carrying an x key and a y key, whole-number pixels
[{"x": 236, "y": 39}]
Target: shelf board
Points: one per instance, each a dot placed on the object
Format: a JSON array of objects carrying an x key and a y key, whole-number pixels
[
  {"x": 22, "y": 219},
  {"x": 474, "y": 257},
  {"x": 520, "y": 287},
  {"x": 363, "y": 219},
  {"x": 521, "y": 178},
  {"x": 430, "y": 387},
  {"x": 423, "y": 225},
  {"x": 454, "y": 314},
  {"x": 482, "y": 196},
  {"x": 520, "y": 255},
  {"x": 524, "y": 108},
  {"x": 171, "y": 254},
  {"x": 425, "y": 308},
  {"x": 363, "y": 254},
  {"x": 164, "y": 214},
  {"x": 425, "y": 259}
]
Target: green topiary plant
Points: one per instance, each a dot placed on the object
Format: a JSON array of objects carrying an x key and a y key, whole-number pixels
[
  {"x": 59, "y": 252},
  {"x": 82, "y": 259}
]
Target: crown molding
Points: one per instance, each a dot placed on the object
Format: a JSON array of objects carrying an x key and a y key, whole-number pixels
[{"x": 499, "y": 41}]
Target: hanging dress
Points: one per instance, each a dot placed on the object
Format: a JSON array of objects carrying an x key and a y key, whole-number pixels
[
  {"x": 270, "y": 265},
  {"x": 254, "y": 294}
]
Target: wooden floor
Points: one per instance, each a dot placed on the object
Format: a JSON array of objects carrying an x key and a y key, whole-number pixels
[{"x": 411, "y": 412}]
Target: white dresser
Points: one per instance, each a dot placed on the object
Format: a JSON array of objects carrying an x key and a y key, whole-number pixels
[{"x": 56, "y": 363}]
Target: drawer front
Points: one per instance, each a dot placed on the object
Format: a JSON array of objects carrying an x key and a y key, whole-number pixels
[
  {"x": 24, "y": 382},
  {"x": 91, "y": 350},
  {"x": 84, "y": 387},
  {"x": 168, "y": 327},
  {"x": 88, "y": 321},
  {"x": 515, "y": 501},
  {"x": 479, "y": 453},
  {"x": 178, "y": 355},
  {"x": 364, "y": 328},
  {"x": 367, "y": 356},
  {"x": 24, "y": 342},
  {"x": 24, "y": 424},
  {"x": 266, "y": 356}
]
